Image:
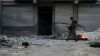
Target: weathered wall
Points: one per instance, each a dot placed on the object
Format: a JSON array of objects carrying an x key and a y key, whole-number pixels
[
  {"x": 0, "y": 16},
  {"x": 62, "y": 14},
  {"x": 89, "y": 15},
  {"x": 18, "y": 16},
  {"x": 20, "y": 20}
]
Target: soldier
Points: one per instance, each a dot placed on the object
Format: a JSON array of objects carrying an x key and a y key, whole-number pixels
[{"x": 72, "y": 29}]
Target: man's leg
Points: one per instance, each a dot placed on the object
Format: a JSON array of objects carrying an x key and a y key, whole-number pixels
[
  {"x": 69, "y": 36},
  {"x": 75, "y": 36}
]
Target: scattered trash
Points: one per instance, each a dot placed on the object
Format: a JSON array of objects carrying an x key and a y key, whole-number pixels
[
  {"x": 5, "y": 42},
  {"x": 95, "y": 44},
  {"x": 25, "y": 44}
]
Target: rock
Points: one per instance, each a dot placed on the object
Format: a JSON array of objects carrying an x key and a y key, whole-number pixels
[
  {"x": 95, "y": 44},
  {"x": 25, "y": 44}
]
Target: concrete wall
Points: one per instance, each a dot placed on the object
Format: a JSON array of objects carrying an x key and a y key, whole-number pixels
[
  {"x": 89, "y": 15},
  {"x": 0, "y": 16},
  {"x": 62, "y": 14},
  {"x": 18, "y": 16},
  {"x": 19, "y": 20}
]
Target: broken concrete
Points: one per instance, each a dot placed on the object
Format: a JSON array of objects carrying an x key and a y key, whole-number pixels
[{"x": 50, "y": 47}]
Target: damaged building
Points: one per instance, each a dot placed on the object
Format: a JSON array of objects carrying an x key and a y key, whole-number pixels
[
  {"x": 44, "y": 28},
  {"x": 40, "y": 17}
]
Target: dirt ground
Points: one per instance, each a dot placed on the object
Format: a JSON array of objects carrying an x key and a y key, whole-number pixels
[
  {"x": 51, "y": 47},
  {"x": 48, "y": 47}
]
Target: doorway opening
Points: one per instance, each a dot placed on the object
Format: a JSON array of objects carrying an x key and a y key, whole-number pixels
[{"x": 45, "y": 20}]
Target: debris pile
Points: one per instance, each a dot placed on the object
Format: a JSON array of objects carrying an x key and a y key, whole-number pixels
[
  {"x": 5, "y": 42},
  {"x": 15, "y": 41},
  {"x": 25, "y": 44},
  {"x": 95, "y": 44}
]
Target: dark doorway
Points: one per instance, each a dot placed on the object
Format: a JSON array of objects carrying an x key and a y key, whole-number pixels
[
  {"x": 44, "y": 20},
  {"x": 24, "y": 1}
]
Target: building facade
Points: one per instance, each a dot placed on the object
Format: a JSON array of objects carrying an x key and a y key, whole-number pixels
[{"x": 41, "y": 17}]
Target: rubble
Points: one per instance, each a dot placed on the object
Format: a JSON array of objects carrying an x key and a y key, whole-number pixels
[
  {"x": 6, "y": 42},
  {"x": 49, "y": 47},
  {"x": 95, "y": 44},
  {"x": 25, "y": 44}
]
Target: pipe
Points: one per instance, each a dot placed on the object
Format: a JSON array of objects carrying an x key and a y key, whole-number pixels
[{"x": 75, "y": 10}]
